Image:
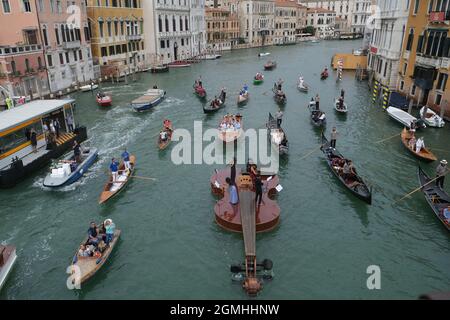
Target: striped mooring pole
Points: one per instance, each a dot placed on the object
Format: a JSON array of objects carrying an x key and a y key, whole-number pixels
[
  {"x": 375, "y": 91},
  {"x": 386, "y": 93},
  {"x": 340, "y": 68}
]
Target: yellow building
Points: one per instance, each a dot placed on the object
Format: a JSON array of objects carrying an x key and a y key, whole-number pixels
[
  {"x": 117, "y": 35},
  {"x": 222, "y": 29},
  {"x": 425, "y": 60}
]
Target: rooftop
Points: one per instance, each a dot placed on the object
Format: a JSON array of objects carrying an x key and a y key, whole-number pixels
[{"x": 28, "y": 111}]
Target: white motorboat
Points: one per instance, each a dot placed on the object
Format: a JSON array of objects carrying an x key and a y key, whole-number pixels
[
  {"x": 212, "y": 56},
  {"x": 403, "y": 117},
  {"x": 302, "y": 86},
  {"x": 263, "y": 54},
  {"x": 7, "y": 260},
  {"x": 89, "y": 87},
  {"x": 431, "y": 118}
]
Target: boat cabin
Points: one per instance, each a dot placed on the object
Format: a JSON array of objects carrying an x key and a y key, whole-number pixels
[{"x": 16, "y": 129}]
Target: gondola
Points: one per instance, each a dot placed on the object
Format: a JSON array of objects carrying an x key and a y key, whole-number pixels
[
  {"x": 113, "y": 188},
  {"x": 87, "y": 267},
  {"x": 318, "y": 118},
  {"x": 437, "y": 198},
  {"x": 323, "y": 75},
  {"x": 199, "y": 91},
  {"x": 242, "y": 98},
  {"x": 279, "y": 95},
  {"x": 210, "y": 108},
  {"x": 270, "y": 65},
  {"x": 277, "y": 136},
  {"x": 342, "y": 110},
  {"x": 302, "y": 86},
  {"x": 424, "y": 153},
  {"x": 167, "y": 126},
  {"x": 356, "y": 185}
]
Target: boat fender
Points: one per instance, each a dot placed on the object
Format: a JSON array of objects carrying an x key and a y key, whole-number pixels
[{"x": 81, "y": 171}]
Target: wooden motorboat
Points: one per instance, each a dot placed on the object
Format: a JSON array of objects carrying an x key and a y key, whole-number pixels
[
  {"x": 337, "y": 107},
  {"x": 355, "y": 183},
  {"x": 431, "y": 118},
  {"x": 243, "y": 98},
  {"x": 159, "y": 68},
  {"x": 229, "y": 131},
  {"x": 113, "y": 188},
  {"x": 179, "y": 64},
  {"x": 404, "y": 117},
  {"x": 437, "y": 198},
  {"x": 87, "y": 267},
  {"x": 277, "y": 136},
  {"x": 213, "y": 107},
  {"x": 258, "y": 79},
  {"x": 150, "y": 99},
  {"x": 67, "y": 171},
  {"x": 167, "y": 127},
  {"x": 270, "y": 65},
  {"x": 424, "y": 153},
  {"x": 8, "y": 259},
  {"x": 89, "y": 87},
  {"x": 103, "y": 100}
]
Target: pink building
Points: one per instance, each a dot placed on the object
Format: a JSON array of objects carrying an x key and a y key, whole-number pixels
[
  {"x": 22, "y": 65},
  {"x": 66, "y": 38}
]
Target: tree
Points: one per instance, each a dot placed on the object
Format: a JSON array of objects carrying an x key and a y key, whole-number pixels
[{"x": 310, "y": 29}]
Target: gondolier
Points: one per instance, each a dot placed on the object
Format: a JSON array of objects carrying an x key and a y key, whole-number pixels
[
  {"x": 114, "y": 167},
  {"x": 334, "y": 134},
  {"x": 440, "y": 173},
  {"x": 279, "y": 116},
  {"x": 126, "y": 159},
  {"x": 317, "y": 100}
]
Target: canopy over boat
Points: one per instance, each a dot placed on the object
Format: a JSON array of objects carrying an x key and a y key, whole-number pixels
[{"x": 398, "y": 101}]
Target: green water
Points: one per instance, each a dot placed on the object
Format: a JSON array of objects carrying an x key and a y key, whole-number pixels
[{"x": 170, "y": 246}]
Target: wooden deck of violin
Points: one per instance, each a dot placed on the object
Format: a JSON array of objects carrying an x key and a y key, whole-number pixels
[{"x": 267, "y": 217}]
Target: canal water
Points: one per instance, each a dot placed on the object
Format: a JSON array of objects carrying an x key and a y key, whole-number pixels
[{"x": 170, "y": 246}]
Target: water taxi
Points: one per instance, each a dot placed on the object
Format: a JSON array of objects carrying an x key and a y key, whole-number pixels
[{"x": 26, "y": 141}]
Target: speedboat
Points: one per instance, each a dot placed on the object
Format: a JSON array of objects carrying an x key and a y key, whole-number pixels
[
  {"x": 431, "y": 118},
  {"x": 403, "y": 117},
  {"x": 67, "y": 171},
  {"x": 263, "y": 54},
  {"x": 302, "y": 86},
  {"x": 89, "y": 87},
  {"x": 7, "y": 260},
  {"x": 103, "y": 100},
  {"x": 212, "y": 56}
]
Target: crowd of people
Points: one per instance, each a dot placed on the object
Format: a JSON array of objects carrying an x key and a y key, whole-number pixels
[{"x": 230, "y": 122}]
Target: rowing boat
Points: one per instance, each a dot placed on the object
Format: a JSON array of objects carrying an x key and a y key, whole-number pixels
[
  {"x": 354, "y": 184},
  {"x": 113, "y": 188},
  {"x": 277, "y": 136},
  {"x": 232, "y": 133},
  {"x": 437, "y": 198},
  {"x": 424, "y": 153},
  {"x": 8, "y": 259},
  {"x": 199, "y": 91},
  {"x": 318, "y": 117},
  {"x": 270, "y": 65},
  {"x": 243, "y": 98},
  {"x": 167, "y": 126},
  {"x": 87, "y": 267},
  {"x": 338, "y": 109},
  {"x": 279, "y": 95},
  {"x": 257, "y": 81}
]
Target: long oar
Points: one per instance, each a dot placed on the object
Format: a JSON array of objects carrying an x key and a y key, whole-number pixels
[
  {"x": 397, "y": 134},
  {"x": 442, "y": 150},
  {"x": 311, "y": 152},
  {"x": 419, "y": 188}
]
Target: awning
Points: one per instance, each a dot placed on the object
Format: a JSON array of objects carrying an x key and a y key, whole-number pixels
[{"x": 399, "y": 101}]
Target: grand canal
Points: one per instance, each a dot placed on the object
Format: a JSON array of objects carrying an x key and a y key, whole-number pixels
[{"x": 170, "y": 246}]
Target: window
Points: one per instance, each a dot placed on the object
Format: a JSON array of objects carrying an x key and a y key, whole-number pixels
[
  {"x": 420, "y": 43},
  {"x": 6, "y": 6},
  {"x": 410, "y": 39},
  {"x": 442, "y": 81},
  {"x": 44, "y": 35},
  {"x": 40, "y": 63},
  {"x": 413, "y": 90},
  {"x": 80, "y": 53},
  {"x": 61, "y": 58},
  {"x": 402, "y": 85},
  {"x": 26, "y": 5},
  {"x": 405, "y": 66},
  {"x": 49, "y": 60},
  {"x": 430, "y": 5},
  {"x": 67, "y": 57},
  {"x": 438, "y": 99},
  {"x": 104, "y": 52},
  {"x": 162, "y": 44},
  {"x": 416, "y": 6}
]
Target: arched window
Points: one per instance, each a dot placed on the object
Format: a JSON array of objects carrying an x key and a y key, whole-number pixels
[
  {"x": 39, "y": 62},
  {"x": 13, "y": 67},
  {"x": 160, "y": 28},
  {"x": 410, "y": 39},
  {"x": 27, "y": 64}
]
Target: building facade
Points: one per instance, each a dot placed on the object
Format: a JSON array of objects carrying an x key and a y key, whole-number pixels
[
  {"x": 22, "y": 62},
  {"x": 425, "y": 60},
  {"x": 257, "y": 21},
  {"x": 323, "y": 21},
  {"x": 198, "y": 27},
  {"x": 360, "y": 14},
  {"x": 117, "y": 35},
  {"x": 286, "y": 19},
  {"x": 66, "y": 41},
  {"x": 389, "y": 27},
  {"x": 222, "y": 29},
  {"x": 341, "y": 8}
]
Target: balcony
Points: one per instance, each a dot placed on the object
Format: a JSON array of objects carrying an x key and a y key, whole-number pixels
[
  {"x": 439, "y": 17},
  {"x": 72, "y": 45},
  {"x": 133, "y": 37},
  {"x": 435, "y": 62}
]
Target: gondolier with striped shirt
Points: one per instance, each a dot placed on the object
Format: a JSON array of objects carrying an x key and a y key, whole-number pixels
[
  {"x": 441, "y": 170},
  {"x": 334, "y": 134}
]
